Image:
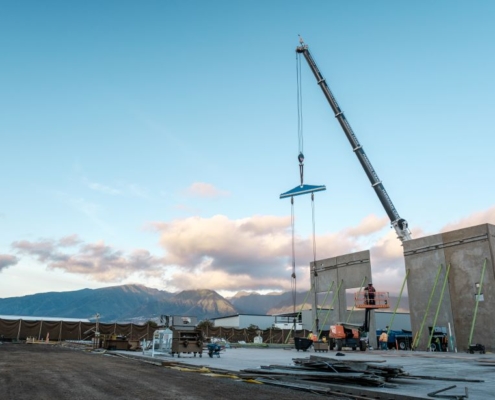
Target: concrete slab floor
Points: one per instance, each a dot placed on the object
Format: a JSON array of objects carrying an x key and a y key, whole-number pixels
[{"x": 453, "y": 366}]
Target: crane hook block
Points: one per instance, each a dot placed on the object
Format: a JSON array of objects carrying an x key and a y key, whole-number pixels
[
  {"x": 303, "y": 189},
  {"x": 300, "y": 157}
]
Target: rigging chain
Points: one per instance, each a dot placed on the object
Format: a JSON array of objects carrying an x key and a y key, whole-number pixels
[
  {"x": 293, "y": 281},
  {"x": 314, "y": 234},
  {"x": 292, "y": 221}
]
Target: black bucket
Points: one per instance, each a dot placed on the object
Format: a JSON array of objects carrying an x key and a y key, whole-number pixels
[{"x": 302, "y": 343}]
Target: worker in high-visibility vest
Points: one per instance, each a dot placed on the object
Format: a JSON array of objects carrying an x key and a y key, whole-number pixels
[{"x": 383, "y": 339}]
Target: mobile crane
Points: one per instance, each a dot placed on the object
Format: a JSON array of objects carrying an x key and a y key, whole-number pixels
[{"x": 400, "y": 224}]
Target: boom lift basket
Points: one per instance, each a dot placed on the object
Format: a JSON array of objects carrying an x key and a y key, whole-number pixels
[{"x": 380, "y": 301}]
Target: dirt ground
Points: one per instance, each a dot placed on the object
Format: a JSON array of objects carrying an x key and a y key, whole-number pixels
[{"x": 44, "y": 371}]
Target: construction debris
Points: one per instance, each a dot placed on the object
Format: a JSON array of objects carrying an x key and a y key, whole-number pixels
[
  {"x": 325, "y": 369},
  {"x": 329, "y": 375},
  {"x": 446, "y": 396}
]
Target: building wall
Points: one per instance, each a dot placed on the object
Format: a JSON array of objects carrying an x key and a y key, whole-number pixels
[
  {"x": 400, "y": 321},
  {"x": 307, "y": 319},
  {"x": 232, "y": 321},
  {"x": 349, "y": 271},
  {"x": 465, "y": 251},
  {"x": 261, "y": 321},
  {"x": 242, "y": 321}
]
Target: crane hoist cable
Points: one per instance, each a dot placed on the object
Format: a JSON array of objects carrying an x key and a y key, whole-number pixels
[
  {"x": 302, "y": 188},
  {"x": 300, "y": 132},
  {"x": 293, "y": 276},
  {"x": 314, "y": 232},
  {"x": 292, "y": 219}
]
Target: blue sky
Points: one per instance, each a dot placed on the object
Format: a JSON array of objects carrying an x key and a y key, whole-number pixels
[{"x": 148, "y": 142}]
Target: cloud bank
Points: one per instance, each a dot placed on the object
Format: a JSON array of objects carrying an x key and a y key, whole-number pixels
[
  {"x": 219, "y": 253},
  {"x": 225, "y": 254},
  {"x": 477, "y": 218},
  {"x": 97, "y": 261}
]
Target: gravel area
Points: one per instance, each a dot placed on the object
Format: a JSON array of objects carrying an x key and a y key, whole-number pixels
[{"x": 45, "y": 371}]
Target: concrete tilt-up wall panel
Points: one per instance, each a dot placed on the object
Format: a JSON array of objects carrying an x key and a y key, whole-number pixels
[
  {"x": 465, "y": 250},
  {"x": 349, "y": 271}
]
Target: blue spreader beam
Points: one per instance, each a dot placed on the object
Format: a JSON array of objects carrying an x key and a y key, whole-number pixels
[{"x": 303, "y": 189}]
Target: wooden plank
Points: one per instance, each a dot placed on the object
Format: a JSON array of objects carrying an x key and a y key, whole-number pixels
[{"x": 342, "y": 390}]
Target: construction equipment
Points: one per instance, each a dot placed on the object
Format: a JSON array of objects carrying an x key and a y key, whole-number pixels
[
  {"x": 400, "y": 224},
  {"x": 186, "y": 336},
  {"x": 355, "y": 336},
  {"x": 476, "y": 347},
  {"x": 214, "y": 349},
  {"x": 348, "y": 335}
]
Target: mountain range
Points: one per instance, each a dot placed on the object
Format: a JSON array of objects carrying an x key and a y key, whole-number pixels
[{"x": 138, "y": 303}]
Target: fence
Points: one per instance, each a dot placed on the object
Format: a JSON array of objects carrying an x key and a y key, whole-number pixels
[{"x": 63, "y": 330}]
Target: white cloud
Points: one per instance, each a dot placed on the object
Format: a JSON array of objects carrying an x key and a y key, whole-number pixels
[
  {"x": 368, "y": 226},
  {"x": 123, "y": 188},
  {"x": 205, "y": 190},
  {"x": 7, "y": 260},
  {"x": 477, "y": 218},
  {"x": 137, "y": 191},
  {"x": 98, "y": 187},
  {"x": 69, "y": 241},
  {"x": 251, "y": 244},
  {"x": 97, "y": 261},
  {"x": 92, "y": 211},
  {"x": 247, "y": 254}
]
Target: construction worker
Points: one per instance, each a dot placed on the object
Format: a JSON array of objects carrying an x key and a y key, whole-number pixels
[
  {"x": 371, "y": 294},
  {"x": 383, "y": 339}
]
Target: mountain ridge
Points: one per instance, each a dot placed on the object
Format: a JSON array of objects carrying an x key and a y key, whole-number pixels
[{"x": 138, "y": 303}]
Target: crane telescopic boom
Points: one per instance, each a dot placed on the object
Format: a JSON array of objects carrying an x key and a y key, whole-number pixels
[{"x": 399, "y": 224}]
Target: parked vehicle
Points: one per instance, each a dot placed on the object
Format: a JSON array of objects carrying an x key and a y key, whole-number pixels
[
  {"x": 348, "y": 335},
  {"x": 399, "y": 340}
]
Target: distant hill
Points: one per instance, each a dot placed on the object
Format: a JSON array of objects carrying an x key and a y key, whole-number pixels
[
  {"x": 303, "y": 301},
  {"x": 203, "y": 303},
  {"x": 254, "y": 303},
  {"x": 282, "y": 303},
  {"x": 111, "y": 303},
  {"x": 127, "y": 303},
  {"x": 137, "y": 303}
]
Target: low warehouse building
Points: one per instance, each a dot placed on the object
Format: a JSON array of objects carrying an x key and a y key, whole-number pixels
[{"x": 242, "y": 321}]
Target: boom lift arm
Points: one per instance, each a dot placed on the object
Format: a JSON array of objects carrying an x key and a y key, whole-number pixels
[{"x": 399, "y": 224}]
